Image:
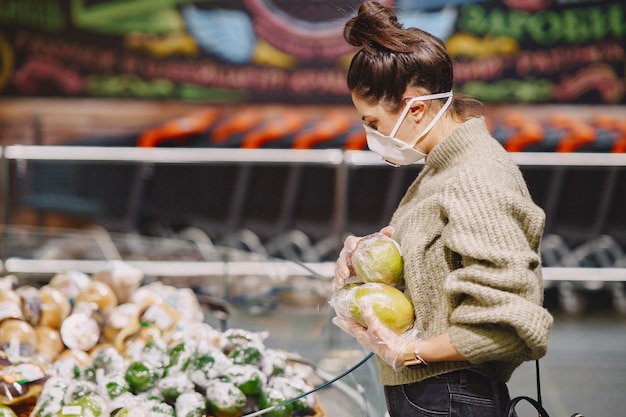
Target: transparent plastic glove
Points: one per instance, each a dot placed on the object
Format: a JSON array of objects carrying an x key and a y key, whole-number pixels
[
  {"x": 377, "y": 337},
  {"x": 344, "y": 272}
]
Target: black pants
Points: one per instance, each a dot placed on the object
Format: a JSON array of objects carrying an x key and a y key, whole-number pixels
[{"x": 456, "y": 394}]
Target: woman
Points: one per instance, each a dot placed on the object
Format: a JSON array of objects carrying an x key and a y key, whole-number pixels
[{"x": 468, "y": 228}]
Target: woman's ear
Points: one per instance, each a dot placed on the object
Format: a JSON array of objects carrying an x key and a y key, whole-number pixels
[{"x": 417, "y": 111}]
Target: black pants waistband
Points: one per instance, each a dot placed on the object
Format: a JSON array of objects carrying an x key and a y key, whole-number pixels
[{"x": 465, "y": 375}]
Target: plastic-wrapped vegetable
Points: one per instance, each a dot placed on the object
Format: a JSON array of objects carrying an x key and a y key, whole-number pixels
[
  {"x": 129, "y": 403},
  {"x": 141, "y": 377},
  {"x": 52, "y": 398},
  {"x": 80, "y": 389},
  {"x": 191, "y": 404},
  {"x": 70, "y": 283},
  {"x": 232, "y": 338},
  {"x": 378, "y": 258},
  {"x": 172, "y": 386},
  {"x": 123, "y": 278},
  {"x": 99, "y": 293},
  {"x": 160, "y": 409},
  {"x": 113, "y": 385},
  {"x": 273, "y": 397},
  {"x": 274, "y": 362},
  {"x": 89, "y": 405},
  {"x": 109, "y": 359},
  {"x": 131, "y": 411},
  {"x": 200, "y": 337},
  {"x": 67, "y": 368},
  {"x": 49, "y": 343},
  {"x": 390, "y": 304},
  {"x": 80, "y": 331},
  {"x": 246, "y": 354},
  {"x": 180, "y": 356},
  {"x": 55, "y": 307},
  {"x": 224, "y": 399},
  {"x": 18, "y": 339},
  {"x": 248, "y": 378},
  {"x": 118, "y": 319},
  {"x": 208, "y": 366},
  {"x": 292, "y": 387},
  {"x": 155, "y": 353}
]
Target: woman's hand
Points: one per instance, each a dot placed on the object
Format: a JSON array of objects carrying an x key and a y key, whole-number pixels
[
  {"x": 377, "y": 337},
  {"x": 344, "y": 270}
]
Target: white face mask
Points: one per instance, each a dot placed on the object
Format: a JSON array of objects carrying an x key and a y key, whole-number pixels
[{"x": 394, "y": 151}]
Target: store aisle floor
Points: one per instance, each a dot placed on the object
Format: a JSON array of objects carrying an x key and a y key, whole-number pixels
[{"x": 584, "y": 370}]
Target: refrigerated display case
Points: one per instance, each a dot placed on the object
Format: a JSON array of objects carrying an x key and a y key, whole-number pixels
[{"x": 285, "y": 301}]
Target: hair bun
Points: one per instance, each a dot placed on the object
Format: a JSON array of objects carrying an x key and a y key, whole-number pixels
[{"x": 376, "y": 27}]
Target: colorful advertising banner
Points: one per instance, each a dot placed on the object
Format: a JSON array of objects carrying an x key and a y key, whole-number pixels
[{"x": 285, "y": 51}]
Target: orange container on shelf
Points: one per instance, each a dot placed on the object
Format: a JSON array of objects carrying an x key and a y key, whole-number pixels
[
  {"x": 237, "y": 124},
  {"x": 355, "y": 139},
  {"x": 178, "y": 129},
  {"x": 578, "y": 133},
  {"x": 330, "y": 127},
  {"x": 617, "y": 127},
  {"x": 528, "y": 131},
  {"x": 281, "y": 127},
  {"x": 620, "y": 143}
]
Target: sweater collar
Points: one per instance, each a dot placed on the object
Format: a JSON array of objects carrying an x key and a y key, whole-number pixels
[{"x": 457, "y": 143}]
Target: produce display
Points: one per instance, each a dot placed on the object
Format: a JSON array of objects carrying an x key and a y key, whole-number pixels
[
  {"x": 104, "y": 345},
  {"x": 378, "y": 282}
]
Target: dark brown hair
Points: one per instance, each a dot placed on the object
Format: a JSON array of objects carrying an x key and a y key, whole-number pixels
[{"x": 392, "y": 58}]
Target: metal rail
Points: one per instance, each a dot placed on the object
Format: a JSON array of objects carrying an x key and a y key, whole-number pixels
[
  {"x": 278, "y": 156},
  {"x": 176, "y": 268},
  {"x": 529, "y": 159},
  {"x": 174, "y": 155}
]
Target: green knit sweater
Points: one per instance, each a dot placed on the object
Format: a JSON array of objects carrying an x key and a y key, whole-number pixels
[{"x": 470, "y": 236}]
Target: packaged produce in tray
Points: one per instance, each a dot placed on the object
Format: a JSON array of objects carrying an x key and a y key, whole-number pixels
[
  {"x": 201, "y": 371},
  {"x": 78, "y": 352}
]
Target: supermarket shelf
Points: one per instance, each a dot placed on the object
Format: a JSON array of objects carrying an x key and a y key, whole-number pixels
[
  {"x": 173, "y": 268},
  {"x": 281, "y": 268},
  {"x": 557, "y": 274},
  {"x": 173, "y": 155}
]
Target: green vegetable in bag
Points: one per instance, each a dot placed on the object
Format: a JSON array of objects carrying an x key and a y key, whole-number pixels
[
  {"x": 248, "y": 378},
  {"x": 291, "y": 387},
  {"x": 141, "y": 377},
  {"x": 377, "y": 258},
  {"x": 389, "y": 304},
  {"x": 246, "y": 355},
  {"x": 273, "y": 397},
  {"x": 208, "y": 366},
  {"x": 191, "y": 404},
  {"x": 173, "y": 386},
  {"x": 90, "y": 405},
  {"x": 115, "y": 385},
  {"x": 224, "y": 399}
]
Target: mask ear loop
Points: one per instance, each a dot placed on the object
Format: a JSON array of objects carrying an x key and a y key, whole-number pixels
[
  {"x": 408, "y": 107},
  {"x": 435, "y": 119},
  {"x": 402, "y": 116}
]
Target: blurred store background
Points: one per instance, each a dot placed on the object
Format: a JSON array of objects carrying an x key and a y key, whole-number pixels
[{"x": 175, "y": 127}]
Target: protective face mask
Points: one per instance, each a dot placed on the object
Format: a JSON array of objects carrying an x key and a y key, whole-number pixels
[{"x": 396, "y": 152}]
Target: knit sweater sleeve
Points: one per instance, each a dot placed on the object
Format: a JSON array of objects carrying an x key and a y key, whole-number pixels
[{"x": 495, "y": 297}]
